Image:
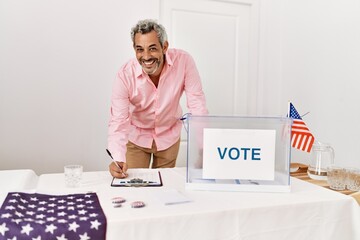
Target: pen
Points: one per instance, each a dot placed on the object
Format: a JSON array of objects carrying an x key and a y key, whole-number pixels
[{"x": 109, "y": 153}]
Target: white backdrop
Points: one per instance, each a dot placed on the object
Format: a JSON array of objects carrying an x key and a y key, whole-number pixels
[{"x": 58, "y": 60}]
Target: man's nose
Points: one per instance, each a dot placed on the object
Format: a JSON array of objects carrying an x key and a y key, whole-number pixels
[{"x": 146, "y": 55}]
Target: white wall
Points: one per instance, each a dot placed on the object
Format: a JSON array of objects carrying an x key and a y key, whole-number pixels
[
  {"x": 315, "y": 62},
  {"x": 58, "y": 60}
]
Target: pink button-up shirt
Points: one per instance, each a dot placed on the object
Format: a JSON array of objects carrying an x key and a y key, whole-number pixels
[{"x": 141, "y": 113}]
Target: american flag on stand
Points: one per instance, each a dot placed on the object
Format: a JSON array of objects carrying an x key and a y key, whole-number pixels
[
  {"x": 301, "y": 137},
  {"x": 42, "y": 217}
]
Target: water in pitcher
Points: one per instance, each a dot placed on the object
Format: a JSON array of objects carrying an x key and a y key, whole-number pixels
[{"x": 322, "y": 155}]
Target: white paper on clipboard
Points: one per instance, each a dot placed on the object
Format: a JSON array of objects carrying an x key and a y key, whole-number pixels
[{"x": 148, "y": 177}]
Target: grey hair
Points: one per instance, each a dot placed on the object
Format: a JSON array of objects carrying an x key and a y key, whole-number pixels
[{"x": 146, "y": 26}]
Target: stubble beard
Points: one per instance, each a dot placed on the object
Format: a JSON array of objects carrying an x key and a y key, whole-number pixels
[{"x": 151, "y": 71}]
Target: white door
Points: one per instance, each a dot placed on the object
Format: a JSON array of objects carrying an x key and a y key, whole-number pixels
[{"x": 222, "y": 36}]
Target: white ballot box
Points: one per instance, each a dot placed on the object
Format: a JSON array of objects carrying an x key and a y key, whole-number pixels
[{"x": 230, "y": 153}]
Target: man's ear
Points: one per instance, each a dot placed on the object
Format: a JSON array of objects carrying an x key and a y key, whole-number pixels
[{"x": 165, "y": 47}]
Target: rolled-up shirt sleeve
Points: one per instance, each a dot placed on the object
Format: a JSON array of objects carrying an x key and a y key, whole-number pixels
[
  {"x": 195, "y": 96},
  {"x": 119, "y": 123}
]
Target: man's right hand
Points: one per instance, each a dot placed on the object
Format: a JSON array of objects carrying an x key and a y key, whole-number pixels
[{"x": 117, "y": 172}]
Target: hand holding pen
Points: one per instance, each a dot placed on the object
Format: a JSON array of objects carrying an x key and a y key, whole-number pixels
[{"x": 117, "y": 169}]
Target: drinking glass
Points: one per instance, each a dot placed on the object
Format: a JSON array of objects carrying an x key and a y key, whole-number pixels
[
  {"x": 73, "y": 174},
  {"x": 336, "y": 177},
  {"x": 353, "y": 179}
]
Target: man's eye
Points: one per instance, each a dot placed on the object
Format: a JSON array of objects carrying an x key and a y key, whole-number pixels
[
  {"x": 139, "y": 50},
  {"x": 153, "y": 49}
]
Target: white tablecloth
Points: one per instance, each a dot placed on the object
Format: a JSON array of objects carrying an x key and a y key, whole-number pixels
[
  {"x": 16, "y": 180},
  {"x": 307, "y": 212}
]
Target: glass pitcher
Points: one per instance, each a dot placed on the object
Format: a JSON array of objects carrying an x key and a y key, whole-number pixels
[{"x": 322, "y": 155}]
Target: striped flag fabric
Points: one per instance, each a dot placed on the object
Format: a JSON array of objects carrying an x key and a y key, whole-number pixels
[
  {"x": 301, "y": 137},
  {"x": 43, "y": 217}
]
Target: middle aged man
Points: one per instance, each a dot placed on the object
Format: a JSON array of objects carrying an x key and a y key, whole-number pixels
[{"x": 145, "y": 110}]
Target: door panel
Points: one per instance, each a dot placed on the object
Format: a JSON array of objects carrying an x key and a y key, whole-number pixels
[{"x": 222, "y": 37}]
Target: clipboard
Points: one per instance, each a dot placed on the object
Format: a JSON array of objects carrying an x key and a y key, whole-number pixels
[{"x": 139, "y": 178}]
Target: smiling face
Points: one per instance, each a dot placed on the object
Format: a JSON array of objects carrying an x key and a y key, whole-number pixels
[{"x": 150, "y": 53}]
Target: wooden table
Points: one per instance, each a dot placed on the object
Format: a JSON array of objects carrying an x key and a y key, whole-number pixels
[{"x": 301, "y": 173}]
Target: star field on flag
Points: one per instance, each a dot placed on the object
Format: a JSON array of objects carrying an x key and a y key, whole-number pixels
[{"x": 62, "y": 217}]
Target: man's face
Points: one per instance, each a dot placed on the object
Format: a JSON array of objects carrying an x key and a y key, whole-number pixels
[{"x": 149, "y": 52}]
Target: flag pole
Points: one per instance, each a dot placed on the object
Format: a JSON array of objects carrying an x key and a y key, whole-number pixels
[
  {"x": 305, "y": 114},
  {"x": 289, "y": 108}
]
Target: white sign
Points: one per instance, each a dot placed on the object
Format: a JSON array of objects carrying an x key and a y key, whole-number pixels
[{"x": 239, "y": 154}]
